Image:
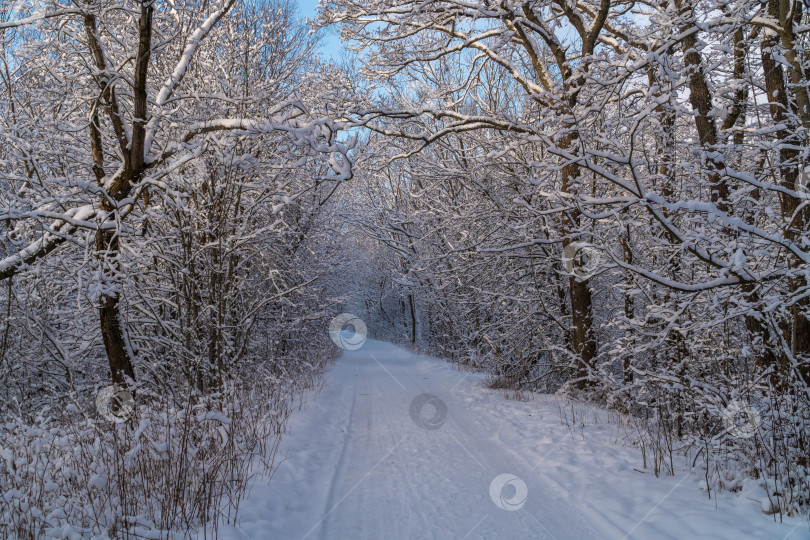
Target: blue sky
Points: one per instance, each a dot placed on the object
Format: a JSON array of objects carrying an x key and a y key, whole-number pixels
[
  {"x": 308, "y": 7},
  {"x": 330, "y": 46}
]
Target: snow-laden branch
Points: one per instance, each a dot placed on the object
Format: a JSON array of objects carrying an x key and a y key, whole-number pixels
[
  {"x": 36, "y": 17},
  {"x": 171, "y": 82}
]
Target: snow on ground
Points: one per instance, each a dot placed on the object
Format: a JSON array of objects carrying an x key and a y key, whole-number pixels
[{"x": 357, "y": 466}]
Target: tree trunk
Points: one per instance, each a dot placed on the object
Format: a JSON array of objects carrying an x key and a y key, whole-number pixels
[
  {"x": 112, "y": 331},
  {"x": 798, "y": 334},
  {"x": 701, "y": 100},
  {"x": 413, "y": 318},
  {"x": 629, "y": 311},
  {"x": 584, "y": 341}
]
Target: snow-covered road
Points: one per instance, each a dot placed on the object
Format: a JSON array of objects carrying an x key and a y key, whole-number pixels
[{"x": 401, "y": 446}]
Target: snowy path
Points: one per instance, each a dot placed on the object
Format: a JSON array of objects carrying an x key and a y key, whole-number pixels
[{"x": 358, "y": 467}]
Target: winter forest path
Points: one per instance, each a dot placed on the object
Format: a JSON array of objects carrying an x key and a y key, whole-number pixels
[{"x": 357, "y": 465}]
